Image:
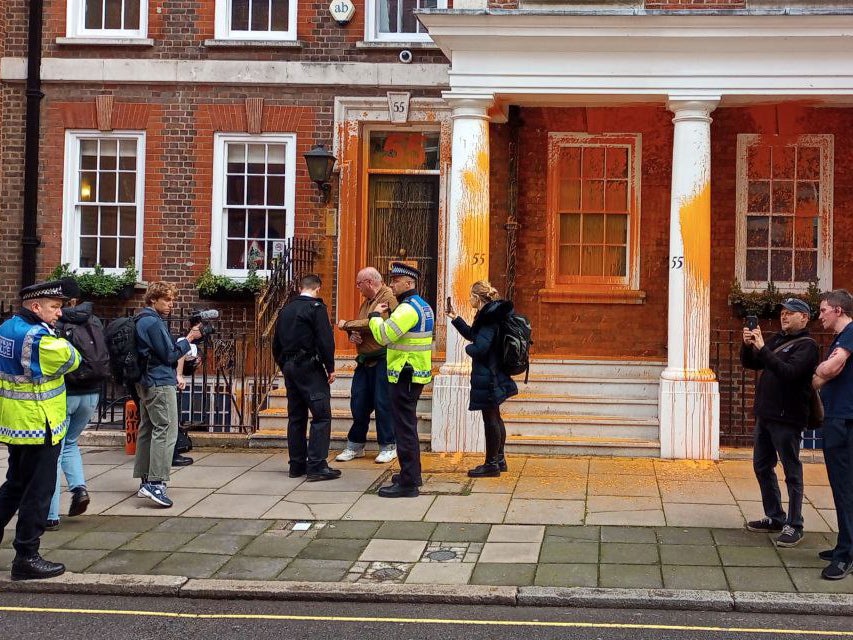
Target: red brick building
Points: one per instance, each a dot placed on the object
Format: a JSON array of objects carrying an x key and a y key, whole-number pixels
[{"x": 616, "y": 167}]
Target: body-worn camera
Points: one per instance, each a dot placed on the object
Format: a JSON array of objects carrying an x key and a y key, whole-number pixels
[{"x": 203, "y": 318}]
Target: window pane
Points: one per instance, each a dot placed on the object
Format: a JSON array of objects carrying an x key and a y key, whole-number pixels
[
  {"x": 756, "y": 265},
  {"x": 255, "y": 190},
  {"x": 808, "y": 163},
  {"x": 109, "y": 155},
  {"x": 235, "y": 254},
  {"x": 236, "y": 158},
  {"x": 239, "y": 15},
  {"x": 593, "y": 195},
  {"x": 805, "y": 233},
  {"x": 569, "y": 261},
  {"x": 593, "y": 229},
  {"x": 275, "y": 159},
  {"x": 757, "y": 231},
  {"x": 113, "y": 16},
  {"x": 616, "y": 196},
  {"x": 782, "y": 231},
  {"x": 260, "y": 15},
  {"x": 276, "y": 223},
  {"x": 88, "y": 186},
  {"x": 109, "y": 221},
  {"x": 805, "y": 266},
  {"x": 783, "y": 196},
  {"x": 131, "y": 14},
  {"x": 783, "y": 162},
  {"x": 126, "y": 251},
  {"x": 108, "y": 258},
  {"x": 127, "y": 155},
  {"x": 570, "y": 228},
  {"x": 235, "y": 190},
  {"x": 257, "y": 157},
  {"x": 758, "y": 197},
  {"x": 758, "y": 162},
  {"x": 88, "y": 221},
  {"x": 275, "y": 191},
  {"x": 780, "y": 266},
  {"x": 407, "y": 16},
  {"x": 617, "y": 230},
  {"x": 570, "y": 162},
  {"x": 279, "y": 15},
  {"x": 88, "y": 252},
  {"x": 257, "y": 224},
  {"x": 617, "y": 162},
  {"x": 107, "y": 186},
  {"x": 127, "y": 224},
  {"x": 808, "y": 196},
  {"x": 256, "y": 256},
  {"x": 127, "y": 186},
  {"x": 386, "y": 16},
  {"x": 614, "y": 261},
  {"x": 592, "y": 261},
  {"x": 593, "y": 162},
  {"x": 92, "y": 19},
  {"x": 402, "y": 150},
  {"x": 89, "y": 154},
  {"x": 236, "y": 223},
  {"x": 570, "y": 195}
]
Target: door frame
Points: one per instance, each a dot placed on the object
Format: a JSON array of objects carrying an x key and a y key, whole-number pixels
[{"x": 354, "y": 117}]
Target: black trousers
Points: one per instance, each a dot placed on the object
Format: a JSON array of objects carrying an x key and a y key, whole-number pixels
[
  {"x": 776, "y": 441},
  {"x": 308, "y": 391},
  {"x": 838, "y": 457},
  {"x": 495, "y": 429},
  {"x": 29, "y": 486},
  {"x": 404, "y": 402}
]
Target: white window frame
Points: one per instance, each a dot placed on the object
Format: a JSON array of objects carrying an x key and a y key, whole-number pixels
[
  {"x": 222, "y": 29},
  {"x": 76, "y": 17},
  {"x": 826, "y": 144},
  {"x": 70, "y": 214},
  {"x": 218, "y": 242},
  {"x": 371, "y": 28}
]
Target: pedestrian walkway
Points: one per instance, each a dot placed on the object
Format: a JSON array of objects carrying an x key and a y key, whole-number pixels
[{"x": 606, "y": 522}]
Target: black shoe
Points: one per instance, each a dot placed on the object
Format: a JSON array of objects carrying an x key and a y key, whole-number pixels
[
  {"x": 398, "y": 491},
  {"x": 765, "y": 525},
  {"x": 485, "y": 471},
  {"x": 502, "y": 464},
  {"x": 296, "y": 472},
  {"x": 790, "y": 537},
  {"x": 395, "y": 479},
  {"x": 826, "y": 554},
  {"x": 51, "y": 525},
  {"x": 79, "y": 501},
  {"x": 835, "y": 571},
  {"x": 181, "y": 461},
  {"x": 35, "y": 567},
  {"x": 325, "y": 474}
]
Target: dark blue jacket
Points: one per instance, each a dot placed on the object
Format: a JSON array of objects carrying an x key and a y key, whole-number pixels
[
  {"x": 489, "y": 385},
  {"x": 154, "y": 342}
]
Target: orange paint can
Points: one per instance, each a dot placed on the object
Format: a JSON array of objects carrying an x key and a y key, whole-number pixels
[{"x": 131, "y": 427}]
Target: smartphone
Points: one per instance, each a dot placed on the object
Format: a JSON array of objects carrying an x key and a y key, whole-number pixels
[
  {"x": 448, "y": 305},
  {"x": 751, "y": 322}
]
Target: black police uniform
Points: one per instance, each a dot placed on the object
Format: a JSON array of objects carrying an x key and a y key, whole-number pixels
[{"x": 304, "y": 349}]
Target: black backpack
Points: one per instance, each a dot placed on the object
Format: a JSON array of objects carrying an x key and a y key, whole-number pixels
[
  {"x": 125, "y": 362},
  {"x": 184, "y": 443},
  {"x": 88, "y": 339},
  {"x": 514, "y": 345}
]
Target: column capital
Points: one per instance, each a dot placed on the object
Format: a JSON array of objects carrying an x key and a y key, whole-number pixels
[
  {"x": 469, "y": 105},
  {"x": 691, "y": 107}
]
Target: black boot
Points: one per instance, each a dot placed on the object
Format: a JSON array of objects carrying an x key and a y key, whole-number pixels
[
  {"x": 491, "y": 423},
  {"x": 35, "y": 567},
  {"x": 486, "y": 470},
  {"x": 181, "y": 461}
]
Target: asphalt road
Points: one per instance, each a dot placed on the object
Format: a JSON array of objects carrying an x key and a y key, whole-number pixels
[{"x": 24, "y": 616}]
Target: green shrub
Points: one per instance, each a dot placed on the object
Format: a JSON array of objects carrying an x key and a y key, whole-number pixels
[
  {"x": 766, "y": 303},
  {"x": 97, "y": 283},
  {"x": 212, "y": 285}
]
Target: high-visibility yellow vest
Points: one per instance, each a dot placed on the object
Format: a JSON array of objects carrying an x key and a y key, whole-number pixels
[
  {"x": 33, "y": 364},
  {"x": 407, "y": 336}
]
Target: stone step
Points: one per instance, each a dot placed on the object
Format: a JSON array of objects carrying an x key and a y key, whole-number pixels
[
  {"x": 277, "y": 438},
  {"x": 607, "y": 369},
  {"x": 276, "y": 420},
  {"x": 603, "y": 427}
]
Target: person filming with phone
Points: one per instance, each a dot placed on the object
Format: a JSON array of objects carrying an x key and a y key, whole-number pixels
[{"x": 783, "y": 400}]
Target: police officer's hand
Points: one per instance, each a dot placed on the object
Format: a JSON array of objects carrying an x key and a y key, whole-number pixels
[
  {"x": 747, "y": 336},
  {"x": 194, "y": 334},
  {"x": 355, "y": 338},
  {"x": 331, "y": 377},
  {"x": 382, "y": 308},
  {"x": 757, "y": 338}
]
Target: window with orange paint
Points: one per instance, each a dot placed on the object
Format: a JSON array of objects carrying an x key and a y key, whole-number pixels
[
  {"x": 594, "y": 211},
  {"x": 784, "y": 210}
]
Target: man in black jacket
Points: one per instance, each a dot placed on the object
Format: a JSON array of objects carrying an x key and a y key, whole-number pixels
[
  {"x": 304, "y": 349},
  {"x": 782, "y": 405}
]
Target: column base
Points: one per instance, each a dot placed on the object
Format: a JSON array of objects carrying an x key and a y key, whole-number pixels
[
  {"x": 689, "y": 419},
  {"x": 454, "y": 428}
]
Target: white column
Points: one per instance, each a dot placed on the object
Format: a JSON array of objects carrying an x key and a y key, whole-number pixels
[
  {"x": 466, "y": 260},
  {"x": 689, "y": 394}
]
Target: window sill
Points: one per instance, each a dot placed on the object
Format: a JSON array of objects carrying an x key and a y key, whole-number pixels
[
  {"x": 253, "y": 44},
  {"x": 593, "y": 296},
  {"x": 88, "y": 41},
  {"x": 384, "y": 44}
]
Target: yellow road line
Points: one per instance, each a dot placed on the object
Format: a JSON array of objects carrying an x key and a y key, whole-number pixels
[{"x": 449, "y": 621}]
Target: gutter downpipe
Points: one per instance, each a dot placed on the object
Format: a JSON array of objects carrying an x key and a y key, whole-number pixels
[{"x": 29, "y": 239}]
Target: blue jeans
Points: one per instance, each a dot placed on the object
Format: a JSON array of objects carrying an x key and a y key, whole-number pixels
[
  {"x": 838, "y": 456},
  {"x": 369, "y": 392},
  {"x": 80, "y": 410}
]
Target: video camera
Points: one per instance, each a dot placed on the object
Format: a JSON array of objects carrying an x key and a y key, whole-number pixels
[{"x": 203, "y": 318}]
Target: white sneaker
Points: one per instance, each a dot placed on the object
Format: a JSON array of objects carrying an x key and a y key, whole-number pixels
[
  {"x": 386, "y": 456},
  {"x": 349, "y": 454}
]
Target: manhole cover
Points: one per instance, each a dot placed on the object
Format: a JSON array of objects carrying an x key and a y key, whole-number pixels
[
  {"x": 387, "y": 574},
  {"x": 442, "y": 555}
]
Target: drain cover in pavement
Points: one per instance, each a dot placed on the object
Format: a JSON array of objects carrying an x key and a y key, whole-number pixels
[
  {"x": 387, "y": 574},
  {"x": 442, "y": 555}
]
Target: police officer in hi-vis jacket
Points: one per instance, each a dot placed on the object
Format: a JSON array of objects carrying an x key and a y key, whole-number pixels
[
  {"x": 407, "y": 336},
  {"x": 33, "y": 364}
]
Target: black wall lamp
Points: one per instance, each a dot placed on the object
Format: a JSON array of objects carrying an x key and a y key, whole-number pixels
[{"x": 320, "y": 163}]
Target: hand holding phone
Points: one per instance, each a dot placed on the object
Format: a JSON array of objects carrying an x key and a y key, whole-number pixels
[
  {"x": 448, "y": 308},
  {"x": 751, "y": 322}
]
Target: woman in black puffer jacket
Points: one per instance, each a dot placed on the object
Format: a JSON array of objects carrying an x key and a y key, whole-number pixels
[{"x": 490, "y": 386}]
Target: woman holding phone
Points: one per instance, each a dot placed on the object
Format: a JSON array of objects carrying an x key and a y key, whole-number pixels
[{"x": 489, "y": 385}]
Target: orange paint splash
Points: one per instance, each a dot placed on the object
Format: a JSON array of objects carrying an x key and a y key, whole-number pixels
[{"x": 474, "y": 229}]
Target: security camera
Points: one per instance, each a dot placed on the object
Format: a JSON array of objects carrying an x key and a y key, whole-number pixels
[{"x": 405, "y": 56}]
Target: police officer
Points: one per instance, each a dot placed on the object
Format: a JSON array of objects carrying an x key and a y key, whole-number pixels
[
  {"x": 33, "y": 364},
  {"x": 407, "y": 336},
  {"x": 305, "y": 351}
]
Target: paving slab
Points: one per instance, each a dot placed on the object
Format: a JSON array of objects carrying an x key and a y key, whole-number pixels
[
  {"x": 504, "y": 484},
  {"x": 513, "y": 552},
  {"x": 233, "y": 459},
  {"x": 186, "y": 525},
  {"x": 567, "y": 551},
  {"x": 556, "y": 467},
  {"x": 240, "y": 527},
  {"x": 692, "y": 492},
  {"x": 100, "y": 540},
  {"x": 460, "y": 532},
  {"x": 393, "y": 550},
  {"x": 355, "y": 529},
  {"x": 758, "y": 579},
  {"x": 370, "y": 507},
  {"x": 287, "y": 510},
  {"x": 77, "y": 560},
  {"x": 50, "y": 539},
  {"x": 406, "y": 530},
  {"x": 276, "y": 462},
  {"x": 628, "y": 554},
  {"x": 684, "y": 535},
  {"x": 693, "y": 577},
  {"x": 649, "y": 518},
  {"x": 808, "y": 580},
  {"x": 702, "y": 515},
  {"x": 252, "y": 568},
  {"x": 516, "y": 533},
  {"x": 623, "y": 485},
  {"x": 621, "y": 466},
  {"x": 204, "y": 477},
  {"x": 501, "y": 573},
  {"x": 741, "y": 538},
  {"x": 690, "y": 555},
  {"x": 635, "y": 576},
  {"x": 217, "y": 544},
  {"x": 99, "y": 502},
  {"x": 568, "y": 487},
  {"x": 694, "y": 470},
  {"x": 749, "y": 557},
  {"x": 622, "y": 504},
  {"x": 235, "y": 506},
  {"x": 802, "y": 557},
  {"x": 440, "y": 573},
  {"x": 566, "y": 575},
  {"x": 523, "y": 511},
  {"x": 128, "y": 523},
  {"x": 592, "y": 533},
  {"x": 134, "y": 562},
  {"x": 333, "y": 549},
  {"x": 473, "y": 508},
  {"x": 183, "y": 499},
  {"x": 105, "y": 456},
  {"x": 631, "y": 535},
  {"x": 114, "y": 480},
  {"x": 350, "y": 480},
  {"x": 263, "y": 483},
  {"x": 274, "y": 545},
  {"x": 191, "y": 565},
  {"x": 159, "y": 541},
  {"x": 311, "y": 570}
]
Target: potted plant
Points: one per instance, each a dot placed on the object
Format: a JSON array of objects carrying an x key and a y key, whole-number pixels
[
  {"x": 97, "y": 283},
  {"x": 217, "y": 287},
  {"x": 766, "y": 303}
]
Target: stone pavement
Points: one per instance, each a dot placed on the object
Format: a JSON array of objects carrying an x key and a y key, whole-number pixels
[{"x": 574, "y": 522}]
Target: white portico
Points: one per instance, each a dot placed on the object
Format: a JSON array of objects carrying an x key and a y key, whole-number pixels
[{"x": 693, "y": 64}]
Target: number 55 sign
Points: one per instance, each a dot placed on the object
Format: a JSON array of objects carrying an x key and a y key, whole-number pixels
[{"x": 398, "y": 106}]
